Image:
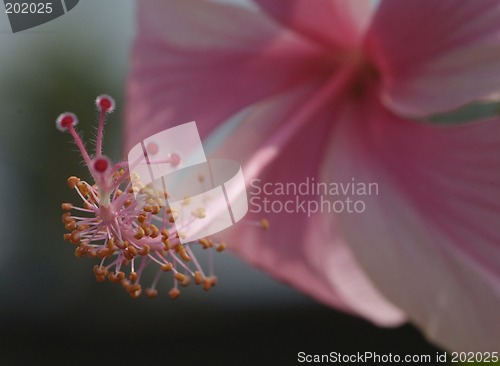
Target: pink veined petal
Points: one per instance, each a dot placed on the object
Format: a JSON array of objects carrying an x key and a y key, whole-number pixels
[
  {"x": 337, "y": 23},
  {"x": 429, "y": 239},
  {"x": 197, "y": 60},
  {"x": 436, "y": 56},
  {"x": 306, "y": 252}
]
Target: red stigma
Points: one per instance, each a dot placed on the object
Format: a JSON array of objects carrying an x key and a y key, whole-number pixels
[
  {"x": 175, "y": 160},
  {"x": 152, "y": 148},
  {"x": 105, "y": 103},
  {"x": 101, "y": 165},
  {"x": 67, "y": 121}
]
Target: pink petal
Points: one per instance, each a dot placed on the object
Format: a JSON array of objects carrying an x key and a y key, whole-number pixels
[
  {"x": 436, "y": 55},
  {"x": 306, "y": 252},
  {"x": 430, "y": 238},
  {"x": 338, "y": 23},
  {"x": 195, "y": 60}
]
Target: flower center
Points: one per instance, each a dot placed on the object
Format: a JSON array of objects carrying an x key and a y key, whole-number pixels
[
  {"x": 366, "y": 76},
  {"x": 101, "y": 165},
  {"x": 130, "y": 234},
  {"x": 364, "y": 72}
]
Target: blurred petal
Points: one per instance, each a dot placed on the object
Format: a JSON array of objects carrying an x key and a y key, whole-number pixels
[
  {"x": 429, "y": 240},
  {"x": 436, "y": 55},
  {"x": 338, "y": 23},
  {"x": 306, "y": 252},
  {"x": 197, "y": 60}
]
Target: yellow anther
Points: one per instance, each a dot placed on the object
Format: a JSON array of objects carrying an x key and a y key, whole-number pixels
[
  {"x": 200, "y": 213},
  {"x": 166, "y": 242},
  {"x": 134, "y": 287},
  {"x": 147, "y": 230},
  {"x": 72, "y": 181},
  {"x": 209, "y": 282},
  {"x": 135, "y": 178},
  {"x": 70, "y": 225},
  {"x": 174, "y": 293},
  {"x": 198, "y": 277},
  {"x": 122, "y": 244},
  {"x": 66, "y": 218},
  {"x": 100, "y": 278},
  {"x": 140, "y": 233},
  {"x": 125, "y": 283},
  {"x": 81, "y": 251},
  {"x": 221, "y": 247},
  {"x": 102, "y": 253},
  {"x": 144, "y": 250},
  {"x": 116, "y": 277},
  {"x": 111, "y": 244},
  {"x": 100, "y": 271},
  {"x": 151, "y": 293},
  {"x": 179, "y": 276},
  {"x": 167, "y": 267},
  {"x": 205, "y": 243},
  {"x": 154, "y": 231},
  {"x": 75, "y": 237},
  {"x": 83, "y": 188},
  {"x": 141, "y": 218},
  {"x": 134, "y": 291},
  {"x": 67, "y": 206},
  {"x": 119, "y": 173},
  {"x": 130, "y": 252},
  {"x": 184, "y": 256}
]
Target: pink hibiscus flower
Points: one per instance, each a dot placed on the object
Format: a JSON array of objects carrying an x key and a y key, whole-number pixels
[{"x": 302, "y": 91}]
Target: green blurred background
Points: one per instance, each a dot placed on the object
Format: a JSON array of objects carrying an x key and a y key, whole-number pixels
[{"x": 51, "y": 309}]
